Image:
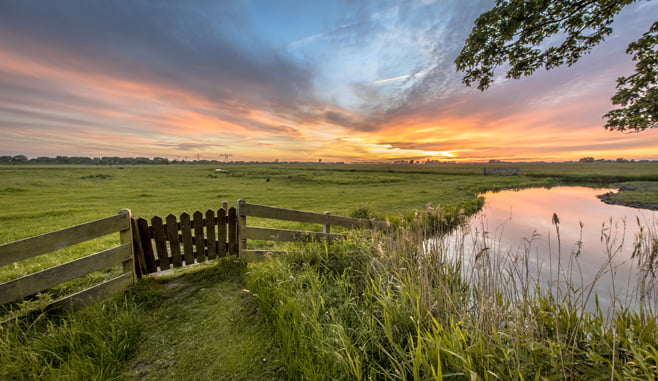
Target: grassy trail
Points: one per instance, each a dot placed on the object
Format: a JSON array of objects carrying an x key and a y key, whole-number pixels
[{"x": 206, "y": 327}]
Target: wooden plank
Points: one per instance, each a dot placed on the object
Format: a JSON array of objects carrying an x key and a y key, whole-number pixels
[
  {"x": 126, "y": 238},
  {"x": 210, "y": 234},
  {"x": 267, "y": 234},
  {"x": 147, "y": 246},
  {"x": 242, "y": 221},
  {"x": 186, "y": 231},
  {"x": 160, "y": 238},
  {"x": 326, "y": 228},
  {"x": 221, "y": 232},
  {"x": 174, "y": 244},
  {"x": 45, "y": 243},
  {"x": 140, "y": 261},
  {"x": 263, "y": 211},
  {"x": 199, "y": 240},
  {"x": 232, "y": 231},
  {"x": 94, "y": 294},
  {"x": 51, "y": 277}
]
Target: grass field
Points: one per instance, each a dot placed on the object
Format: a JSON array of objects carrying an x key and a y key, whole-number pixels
[
  {"x": 39, "y": 199},
  {"x": 36, "y": 199}
]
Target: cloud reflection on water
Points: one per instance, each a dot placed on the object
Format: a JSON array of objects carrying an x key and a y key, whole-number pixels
[{"x": 513, "y": 223}]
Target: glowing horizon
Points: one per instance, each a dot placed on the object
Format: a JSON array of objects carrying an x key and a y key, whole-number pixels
[{"x": 348, "y": 83}]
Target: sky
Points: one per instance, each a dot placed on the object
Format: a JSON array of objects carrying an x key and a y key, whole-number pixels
[{"x": 292, "y": 80}]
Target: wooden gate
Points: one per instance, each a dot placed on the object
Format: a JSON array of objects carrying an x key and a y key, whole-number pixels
[{"x": 184, "y": 240}]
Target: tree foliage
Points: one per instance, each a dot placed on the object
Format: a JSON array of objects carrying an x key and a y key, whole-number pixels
[
  {"x": 530, "y": 34},
  {"x": 638, "y": 93}
]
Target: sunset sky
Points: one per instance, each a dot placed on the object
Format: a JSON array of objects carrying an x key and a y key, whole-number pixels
[{"x": 293, "y": 80}]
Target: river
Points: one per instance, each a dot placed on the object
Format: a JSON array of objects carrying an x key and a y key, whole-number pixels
[{"x": 557, "y": 238}]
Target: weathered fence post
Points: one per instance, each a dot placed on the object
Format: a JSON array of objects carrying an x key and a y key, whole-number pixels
[
  {"x": 126, "y": 238},
  {"x": 327, "y": 227},
  {"x": 242, "y": 222},
  {"x": 140, "y": 260}
]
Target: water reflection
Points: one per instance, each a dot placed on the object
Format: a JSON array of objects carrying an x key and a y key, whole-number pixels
[{"x": 518, "y": 227}]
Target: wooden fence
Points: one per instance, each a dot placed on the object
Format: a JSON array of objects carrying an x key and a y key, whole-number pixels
[
  {"x": 185, "y": 239},
  {"x": 246, "y": 232},
  {"x": 159, "y": 244},
  {"x": 31, "y": 247}
]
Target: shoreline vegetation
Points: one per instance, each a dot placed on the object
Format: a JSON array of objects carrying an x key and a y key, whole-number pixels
[
  {"x": 642, "y": 195},
  {"x": 370, "y": 307}
]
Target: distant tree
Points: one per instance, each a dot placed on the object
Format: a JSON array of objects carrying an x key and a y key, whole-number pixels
[
  {"x": 19, "y": 159},
  {"x": 62, "y": 159},
  {"x": 514, "y": 32},
  {"x": 586, "y": 160},
  {"x": 80, "y": 160}
]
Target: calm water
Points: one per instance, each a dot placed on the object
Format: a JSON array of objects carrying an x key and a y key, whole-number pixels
[{"x": 517, "y": 227}]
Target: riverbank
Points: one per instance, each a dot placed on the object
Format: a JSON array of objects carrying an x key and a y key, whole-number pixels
[
  {"x": 637, "y": 194},
  {"x": 360, "y": 311}
]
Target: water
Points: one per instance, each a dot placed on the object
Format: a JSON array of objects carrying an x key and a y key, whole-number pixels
[{"x": 516, "y": 231}]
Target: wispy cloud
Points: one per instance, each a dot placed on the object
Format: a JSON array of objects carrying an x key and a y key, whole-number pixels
[
  {"x": 387, "y": 80},
  {"x": 305, "y": 40}
]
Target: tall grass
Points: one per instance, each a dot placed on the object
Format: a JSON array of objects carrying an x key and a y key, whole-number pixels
[
  {"x": 398, "y": 308},
  {"x": 90, "y": 344},
  {"x": 646, "y": 253}
]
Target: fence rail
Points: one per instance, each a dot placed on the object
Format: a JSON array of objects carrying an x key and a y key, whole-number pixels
[
  {"x": 42, "y": 244},
  {"x": 246, "y": 232}
]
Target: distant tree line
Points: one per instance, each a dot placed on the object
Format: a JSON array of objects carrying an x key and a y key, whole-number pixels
[
  {"x": 116, "y": 160},
  {"x": 106, "y": 160},
  {"x": 618, "y": 160}
]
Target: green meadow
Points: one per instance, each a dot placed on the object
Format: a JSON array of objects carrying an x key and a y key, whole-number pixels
[
  {"x": 363, "y": 309},
  {"x": 37, "y": 199}
]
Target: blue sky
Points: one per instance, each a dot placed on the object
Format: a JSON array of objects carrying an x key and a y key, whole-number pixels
[{"x": 292, "y": 80}]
